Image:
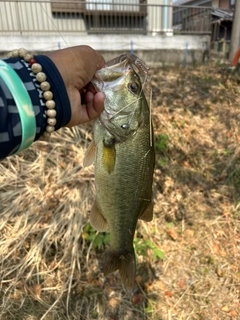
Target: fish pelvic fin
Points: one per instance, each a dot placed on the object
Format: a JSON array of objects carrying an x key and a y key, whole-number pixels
[
  {"x": 147, "y": 214},
  {"x": 89, "y": 155},
  {"x": 124, "y": 262},
  {"x": 97, "y": 220}
]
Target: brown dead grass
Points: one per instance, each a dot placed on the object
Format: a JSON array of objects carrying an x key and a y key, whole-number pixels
[{"x": 48, "y": 266}]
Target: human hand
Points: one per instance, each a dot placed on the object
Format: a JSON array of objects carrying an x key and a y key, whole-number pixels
[{"x": 77, "y": 66}]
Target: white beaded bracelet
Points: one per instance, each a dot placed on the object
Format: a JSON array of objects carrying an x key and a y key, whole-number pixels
[{"x": 44, "y": 85}]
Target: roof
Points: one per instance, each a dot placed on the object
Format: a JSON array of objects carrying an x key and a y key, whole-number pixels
[
  {"x": 180, "y": 2},
  {"x": 222, "y": 14}
]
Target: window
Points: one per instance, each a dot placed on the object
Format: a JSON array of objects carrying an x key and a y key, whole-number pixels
[{"x": 105, "y": 16}]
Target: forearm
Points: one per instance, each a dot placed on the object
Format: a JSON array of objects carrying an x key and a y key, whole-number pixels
[{"x": 10, "y": 123}]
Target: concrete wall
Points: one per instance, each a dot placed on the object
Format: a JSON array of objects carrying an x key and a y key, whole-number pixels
[{"x": 159, "y": 48}]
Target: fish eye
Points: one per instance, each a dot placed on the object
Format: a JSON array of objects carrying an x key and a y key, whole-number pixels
[
  {"x": 125, "y": 126},
  {"x": 133, "y": 86}
]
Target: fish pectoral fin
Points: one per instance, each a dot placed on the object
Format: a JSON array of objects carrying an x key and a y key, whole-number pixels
[
  {"x": 97, "y": 220},
  {"x": 147, "y": 215},
  {"x": 89, "y": 155}
]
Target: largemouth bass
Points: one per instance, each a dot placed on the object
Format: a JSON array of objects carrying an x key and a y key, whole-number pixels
[{"x": 124, "y": 164}]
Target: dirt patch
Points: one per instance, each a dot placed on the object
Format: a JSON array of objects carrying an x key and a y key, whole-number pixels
[{"x": 49, "y": 257}]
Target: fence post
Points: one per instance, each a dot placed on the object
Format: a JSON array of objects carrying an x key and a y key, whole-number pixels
[
  {"x": 131, "y": 47},
  {"x": 185, "y": 55}
]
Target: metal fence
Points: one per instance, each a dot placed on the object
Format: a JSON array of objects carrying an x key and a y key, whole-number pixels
[
  {"x": 29, "y": 17},
  {"x": 192, "y": 19}
]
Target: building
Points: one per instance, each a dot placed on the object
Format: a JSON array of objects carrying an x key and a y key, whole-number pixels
[
  {"x": 85, "y": 17},
  {"x": 222, "y": 19},
  {"x": 195, "y": 18}
]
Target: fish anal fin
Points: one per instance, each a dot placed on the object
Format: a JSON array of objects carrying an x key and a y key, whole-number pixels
[
  {"x": 97, "y": 220},
  {"x": 147, "y": 215},
  {"x": 125, "y": 263},
  {"x": 89, "y": 155}
]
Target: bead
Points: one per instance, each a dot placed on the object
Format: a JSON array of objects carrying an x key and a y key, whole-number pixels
[
  {"x": 47, "y": 95},
  {"x": 32, "y": 61},
  {"x": 50, "y": 104},
  {"x": 51, "y": 113},
  {"x": 45, "y": 86},
  {"x": 46, "y": 135},
  {"x": 15, "y": 53},
  {"x": 36, "y": 68},
  {"x": 28, "y": 57},
  {"x": 50, "y": 129},
  {"x": 51, "y": 121},
  {"x": 22, "y": 52},
  {"x": 41, "y": 77}
]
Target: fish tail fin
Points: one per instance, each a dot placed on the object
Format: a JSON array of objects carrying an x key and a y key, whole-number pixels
[{"x": 124, "y": 262}]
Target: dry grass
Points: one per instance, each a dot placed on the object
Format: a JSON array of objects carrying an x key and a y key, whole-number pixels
[{"x": 48, "y": 263}]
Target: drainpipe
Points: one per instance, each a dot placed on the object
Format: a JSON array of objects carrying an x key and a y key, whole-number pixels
[
  {"x": 170, "y": 15},
  {"x": 165, "y": 15}
]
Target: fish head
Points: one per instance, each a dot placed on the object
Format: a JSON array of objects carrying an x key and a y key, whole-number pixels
[{"x": 124, "y": 99}]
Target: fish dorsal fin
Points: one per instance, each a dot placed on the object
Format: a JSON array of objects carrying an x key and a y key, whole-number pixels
[
  {"x": 147, "y": 215},
  {"x": 97, "y": 220},
  {"x": 89, "y": 155}
]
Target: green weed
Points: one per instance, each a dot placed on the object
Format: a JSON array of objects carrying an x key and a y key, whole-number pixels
[
  {"x": 99, "y": 240},
  {"x": 161, "y": 142},
  {"x": 161, "y": 146},
  {"x": 141, "y": 247}
]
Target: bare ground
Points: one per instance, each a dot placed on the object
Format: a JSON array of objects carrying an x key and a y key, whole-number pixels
[{"x": 49, "y": 256}]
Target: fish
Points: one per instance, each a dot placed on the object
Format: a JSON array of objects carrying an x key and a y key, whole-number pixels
[{"x": 124, "y": 157}]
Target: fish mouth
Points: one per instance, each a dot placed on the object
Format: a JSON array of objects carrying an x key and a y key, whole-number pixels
[{"x": 112, "y": 77}]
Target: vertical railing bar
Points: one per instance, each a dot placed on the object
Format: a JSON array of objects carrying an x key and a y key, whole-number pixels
[
  {"x": 35, "y": 28},
  {"x": 50, "y": 24},
  {"x": 26, "y": 25},
  {"x": 132, "y": 19},
  {"x": 32, "y": 18},
  {"x": 1, "y": 18},
  {"x": 115, "y": 19},
  {"x": 38, "y": 23},
  {"x": 65, "y": 23},
  {"x": 74, "y": 16},
  {"x": 60, "y": 21},
  {"x": 18, "y": 18},
  {"x": 5, "y": 14}
]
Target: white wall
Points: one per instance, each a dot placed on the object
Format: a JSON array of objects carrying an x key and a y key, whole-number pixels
[{"x": 105, "y": 42}]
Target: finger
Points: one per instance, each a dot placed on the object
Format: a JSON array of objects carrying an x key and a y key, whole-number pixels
[
  {"x": 91, "y": 61},
  {"x": 77, "y": 65},
  {"x": 93, "y": 106},
  {"x": 91, "y": 88}
]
